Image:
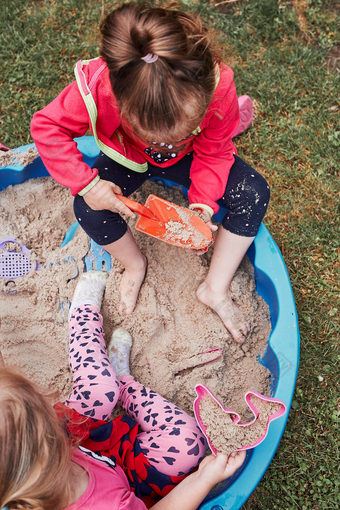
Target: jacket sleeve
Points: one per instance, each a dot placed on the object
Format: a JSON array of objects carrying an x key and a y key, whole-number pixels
[
  {"x": 53, "y": 129},
  {"x": 214, "y": 152}
]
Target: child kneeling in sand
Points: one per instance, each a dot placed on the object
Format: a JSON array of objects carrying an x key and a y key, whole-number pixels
[
  {"x": 160, "y": 103},
  {"x": 73, "y": 457}
]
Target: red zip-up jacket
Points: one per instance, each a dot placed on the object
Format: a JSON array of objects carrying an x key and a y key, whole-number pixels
[{"x": 54, "y": 127}]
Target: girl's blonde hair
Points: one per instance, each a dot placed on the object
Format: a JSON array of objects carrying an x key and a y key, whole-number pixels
[
  {"x": 166, "y": 99},
  {"x": 35, "y": 453}
]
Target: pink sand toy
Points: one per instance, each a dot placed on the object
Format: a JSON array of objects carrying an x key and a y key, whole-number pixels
[{"x": 202, "y": 391}]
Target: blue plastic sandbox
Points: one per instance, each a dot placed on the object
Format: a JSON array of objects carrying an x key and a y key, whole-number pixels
[{"x": 281, "y": 356}]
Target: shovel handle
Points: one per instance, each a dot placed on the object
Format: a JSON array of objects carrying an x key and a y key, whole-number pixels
[{"x": 136, "y": 207}]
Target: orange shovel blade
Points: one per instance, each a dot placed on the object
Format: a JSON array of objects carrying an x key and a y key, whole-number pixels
[{"x": 176, "y": 225}]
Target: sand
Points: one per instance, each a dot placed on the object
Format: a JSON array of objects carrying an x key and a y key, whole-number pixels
[
  {"x": 171, "y": 330},
  {"x": 11, "y": 157}
]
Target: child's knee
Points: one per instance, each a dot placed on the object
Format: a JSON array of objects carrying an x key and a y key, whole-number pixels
[
  {"x": 103, "y": 226},
  {"x": 262, "y": 189},
  {"x": 256, "y": 190},
  {"x": 193, "y": 445},
  {"x": 195, "y": 440},
  {"x": 96, "y": 400}
]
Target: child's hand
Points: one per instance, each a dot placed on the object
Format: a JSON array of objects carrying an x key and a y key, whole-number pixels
[
  {"x": 214, "y": 469},
  {"x": 205, "y": 216},
  {"x": 192, "y": 490},
  {"x": 102, "y": 196}
]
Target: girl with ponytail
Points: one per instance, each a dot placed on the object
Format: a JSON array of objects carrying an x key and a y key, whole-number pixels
[{"x": 160, "y": 103}]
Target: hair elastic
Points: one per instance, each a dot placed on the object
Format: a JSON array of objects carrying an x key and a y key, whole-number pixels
[{"x": 150, "y": 58}]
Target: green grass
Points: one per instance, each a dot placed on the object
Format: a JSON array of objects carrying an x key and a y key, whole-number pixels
[{"x": 280, "y": 52}]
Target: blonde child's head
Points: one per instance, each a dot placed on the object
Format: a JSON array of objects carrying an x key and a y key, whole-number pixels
[
  {"x": 34, "y": 448},
  {"x": 166, "y": 99}
]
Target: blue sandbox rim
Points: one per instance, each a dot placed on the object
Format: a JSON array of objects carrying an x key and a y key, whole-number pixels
[{"x": 281, "y": 356}]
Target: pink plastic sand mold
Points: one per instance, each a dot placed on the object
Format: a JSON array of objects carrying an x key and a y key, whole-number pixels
[{"x": 202, "y": 391}]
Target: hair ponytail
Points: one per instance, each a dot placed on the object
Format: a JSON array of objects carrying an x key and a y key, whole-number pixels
[{"x": 163, "y": 96}]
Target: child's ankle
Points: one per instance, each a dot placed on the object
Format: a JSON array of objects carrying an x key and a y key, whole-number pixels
[
  {"x": 138, "y": 265},
  {"x": 89, "y": 290},
  {"x": 119, "y": 352}
]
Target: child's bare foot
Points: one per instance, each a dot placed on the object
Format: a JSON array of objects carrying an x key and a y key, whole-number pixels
[
  {"x": 228, "y": 312},
  {"x": 130, "y": 284}
]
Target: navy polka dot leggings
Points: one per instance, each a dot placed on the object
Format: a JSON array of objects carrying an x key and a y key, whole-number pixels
[
  {"x": 169, "y": 437},
  {"x": 246, "y": 197}
]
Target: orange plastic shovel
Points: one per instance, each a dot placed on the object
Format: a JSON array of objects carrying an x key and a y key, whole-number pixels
[{"x": 170, "y": 223}]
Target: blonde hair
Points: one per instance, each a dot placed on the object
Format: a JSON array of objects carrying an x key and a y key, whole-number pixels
[
  {"x": 168, "y": 98},
  {"x": 35, "y": 452}
]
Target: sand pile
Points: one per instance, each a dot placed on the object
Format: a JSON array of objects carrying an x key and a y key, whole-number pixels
[
  {"x": 171, "y": 330},
  {"x": 12, "y": 157}
]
